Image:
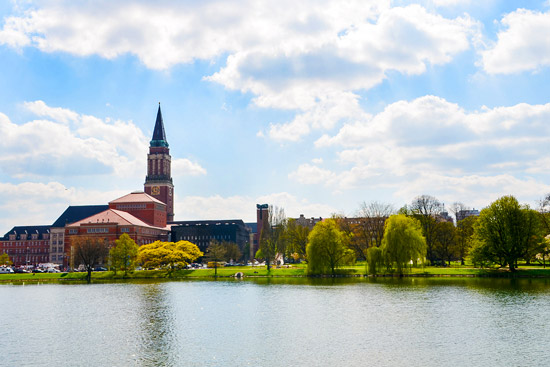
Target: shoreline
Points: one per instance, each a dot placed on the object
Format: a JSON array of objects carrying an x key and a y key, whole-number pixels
[{"x": 254, "y": 273}]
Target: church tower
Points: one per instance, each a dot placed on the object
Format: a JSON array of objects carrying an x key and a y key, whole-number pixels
[{"x": 158, "y": 182}]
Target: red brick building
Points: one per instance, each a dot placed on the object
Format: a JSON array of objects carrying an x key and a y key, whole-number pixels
[
  {"x": 27, "y": 245},
  {"x": 142, "y": 206},
  {"x": 109, "y": 225}
]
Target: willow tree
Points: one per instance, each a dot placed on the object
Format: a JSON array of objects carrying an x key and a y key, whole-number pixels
[
  {"x": 327, "y": 248},
  {"x": 168, "y": 255},
  {"x": 403, "y": 242}
]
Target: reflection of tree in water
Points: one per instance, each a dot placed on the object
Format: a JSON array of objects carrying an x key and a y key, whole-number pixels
[{"x": 158, "y": 337}]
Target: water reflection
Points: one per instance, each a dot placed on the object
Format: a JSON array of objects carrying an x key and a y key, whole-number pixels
[
  {"x": 273, "y": 322},
  {"x": 158, "y": 338}
]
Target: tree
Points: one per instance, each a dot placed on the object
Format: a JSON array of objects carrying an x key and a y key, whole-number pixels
[
  {"x": 89, "y": 251},
  {"x": 446, "y": 244},
  {"x": 216, "y": 253},
  {"x": 124, "y": 254},
  {"x": 296, "y": 236},
  {"x": 507, "y": 231},
  {"x": 426, "y": 208},
  {"x": 374, "y": 259},
  {"x": 5, "y": 259},
  {"x": 327, "y": 248},
  {"x": 272, "y": 239},
  {"x": 456, "y": 208},
  {"x": 403, "y": 242},
  {"x": 369, "y": 229},
  {"x": 232, "y": 251},
  {"x": 464, "y": 234},
  {"x": 168, "y": 254}
]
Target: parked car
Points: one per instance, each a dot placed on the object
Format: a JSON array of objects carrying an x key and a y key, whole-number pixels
[
  {"x": 20, "y": 270},
  {"x": 100, "y": 268},
  {"x": 6, "y": 270},
  {"x": 37, "y": 270},
  {"x": 53, "y": 270}
]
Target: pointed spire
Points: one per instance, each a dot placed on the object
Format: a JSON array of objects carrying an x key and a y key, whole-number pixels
[{"x": 159, "y": 136}]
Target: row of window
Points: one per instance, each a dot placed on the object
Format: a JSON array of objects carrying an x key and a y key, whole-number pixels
[
  {"x": 131, "y": 206},
  {"x": 26, "y": 251},
  {"x": 98, "y": 230},
  {"x": 23, "y": 244},
  {"x": 23, "y": 237},
  {"x": 196, "y": 238}
]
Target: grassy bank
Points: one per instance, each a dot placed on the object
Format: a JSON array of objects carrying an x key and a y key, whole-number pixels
[{"x": 292, "y": 271}]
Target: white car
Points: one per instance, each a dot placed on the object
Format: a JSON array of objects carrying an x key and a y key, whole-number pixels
[
  {"x": 53, "y": 270},
  {"x": 5, "y": 270}
]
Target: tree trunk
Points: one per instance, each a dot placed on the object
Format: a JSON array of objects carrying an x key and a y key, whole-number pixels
[{"x": 89, "y": 276}]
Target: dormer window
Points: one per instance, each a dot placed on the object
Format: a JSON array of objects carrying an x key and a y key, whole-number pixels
[{"x": 35, "y": 236}]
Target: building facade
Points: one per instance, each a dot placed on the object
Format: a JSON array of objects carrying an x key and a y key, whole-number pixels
[
  {"x": 57, "y": 231},
  {"x": 27, "y": 245},
  {"x": 108, "y": 226},
  {"x": 142, "y": 206},
  {"x": 202, "y": 232},
  {"x": 158, "y": 182}
]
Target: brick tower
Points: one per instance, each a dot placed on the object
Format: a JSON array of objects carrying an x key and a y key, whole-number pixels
[{"x": 158, "y": 182}]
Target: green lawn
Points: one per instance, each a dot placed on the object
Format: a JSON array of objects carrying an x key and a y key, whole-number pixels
[{"x": 261, "y": 271}]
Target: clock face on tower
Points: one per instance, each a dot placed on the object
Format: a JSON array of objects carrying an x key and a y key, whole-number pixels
[{"x": 155, "y": 190}]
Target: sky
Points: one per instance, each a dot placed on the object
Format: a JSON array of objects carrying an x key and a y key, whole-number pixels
[{"x": 315, "y": 106}]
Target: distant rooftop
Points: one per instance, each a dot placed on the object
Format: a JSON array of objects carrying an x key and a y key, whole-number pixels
[
  {"x": 75, "y": 213},
  {"x": 136, "y": 197},
  {"x": 110, "y": 216}
]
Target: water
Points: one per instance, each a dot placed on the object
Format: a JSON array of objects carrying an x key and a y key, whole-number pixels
[{"x": 350, "y": 322}]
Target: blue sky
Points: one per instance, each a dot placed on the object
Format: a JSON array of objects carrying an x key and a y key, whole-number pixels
[{"x": 313, "y": 106}]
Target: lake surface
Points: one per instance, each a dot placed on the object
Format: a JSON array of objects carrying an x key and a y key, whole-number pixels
[{"x": 287, "y": 322}]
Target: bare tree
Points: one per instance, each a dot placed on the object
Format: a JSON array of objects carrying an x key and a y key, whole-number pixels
[
  {"x": 89, "y": 251},
  {"x": 368, "y": 228},
  {"x": 426, "y": 208},
  {"x": 456, "y": 208},
  {"x": 272, "y": 238},
  {"x": 215, "y": 252}
]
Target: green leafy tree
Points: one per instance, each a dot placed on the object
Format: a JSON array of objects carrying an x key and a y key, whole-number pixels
[
  {"x": 168, "y": 255},
  {"x": 445, "y": 241},
  {"x": 464, "y": 236},
  {"x": 124, "y": 254},
  {"x": 89, "y": 251},
  {"x": 507, "y": 231},
  {"x": 403, "y": 242},
  {"x": 5, "y": 260},
  {"x": 327, "y": 248},
  {"x": 215, "y": 252}
]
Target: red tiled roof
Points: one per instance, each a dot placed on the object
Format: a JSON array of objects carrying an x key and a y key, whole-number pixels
[
  {"x": 136, "y": 197},
  {"x": 113, "y": 216}
]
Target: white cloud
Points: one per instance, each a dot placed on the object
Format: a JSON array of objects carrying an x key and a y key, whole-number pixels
[
  {"x": 310, "y": 174},
  {"x": 75, "y": 144},
  {"x": 31, "y": 203},
  {"x": 310, "y": 56},
  {"x": 244, "y": 207},
  {"x": 184, "y": 167},
  {"x": 522, "y": 45},
  {"x": 433, "y": 146},
  {"x": 357, "y": 55}
]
